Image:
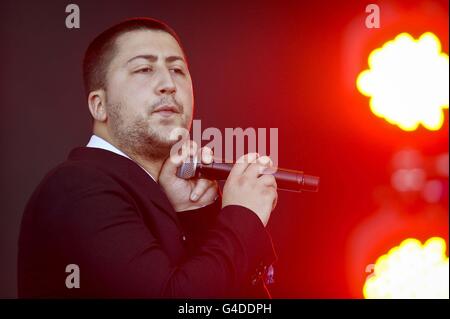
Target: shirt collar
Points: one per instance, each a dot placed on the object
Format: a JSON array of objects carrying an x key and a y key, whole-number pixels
[{"x": 98, "y": 142}]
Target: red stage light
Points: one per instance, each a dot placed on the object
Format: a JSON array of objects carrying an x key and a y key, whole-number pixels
[
  {"x": 407, "y": 82},
  {"x": 411, "y": 270}
]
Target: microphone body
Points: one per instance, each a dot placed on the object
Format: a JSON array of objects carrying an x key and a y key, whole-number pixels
[{"x": 290, "y": 180}]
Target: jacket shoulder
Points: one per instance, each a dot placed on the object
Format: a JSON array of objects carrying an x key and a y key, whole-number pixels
[
  {"x": 70, "y": 179},
  {"x": 71, "y": 176}
]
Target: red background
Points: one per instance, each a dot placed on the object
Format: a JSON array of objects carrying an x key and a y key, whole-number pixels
[{"x": 285, "y": 64}]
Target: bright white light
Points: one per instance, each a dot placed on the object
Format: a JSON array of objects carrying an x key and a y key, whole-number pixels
[
  {"x": 408, "y": 82},
  {"x": 411, "y": 270}
]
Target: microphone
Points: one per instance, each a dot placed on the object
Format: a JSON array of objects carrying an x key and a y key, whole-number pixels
[{"x": 287, "y": 179}]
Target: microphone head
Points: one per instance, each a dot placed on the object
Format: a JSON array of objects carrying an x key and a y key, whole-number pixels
[{"x": 187, "y": 170}]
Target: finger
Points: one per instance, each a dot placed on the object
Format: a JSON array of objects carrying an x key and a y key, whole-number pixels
[
  {"x": 272, "y": 194},
  {"x": 275, "y": 201},
  {"x": 207, "y": 155},
  {"x": 178, "y": 153},
  {"x": 268, "y": 180},
  {"x": 200, "y": 188},
  {"x": 212, "y": 193},
  {"x": 242, "y": 163},
  {"x": 254, "y": 170},
  {"x": 268, "y": 165},
  {"x": 258, "y": 168},
  {"x": 265, "y": 160},
  {"x": 185, "y": 154}
]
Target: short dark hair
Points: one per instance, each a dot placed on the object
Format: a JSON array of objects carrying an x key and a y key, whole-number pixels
[{"x": 101, "y": 50}]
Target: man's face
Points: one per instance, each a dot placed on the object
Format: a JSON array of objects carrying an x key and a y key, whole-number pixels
[{"x": 148, "y": 92}]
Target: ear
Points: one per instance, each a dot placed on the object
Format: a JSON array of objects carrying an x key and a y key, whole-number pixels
[{"x": 97, "y": 105}]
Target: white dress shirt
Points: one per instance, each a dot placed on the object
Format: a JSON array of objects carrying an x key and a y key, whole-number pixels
[{"x": 98, "y": 142}]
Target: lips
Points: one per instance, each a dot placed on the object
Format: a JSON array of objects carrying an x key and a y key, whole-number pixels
[{"x": 166, "y": 109}]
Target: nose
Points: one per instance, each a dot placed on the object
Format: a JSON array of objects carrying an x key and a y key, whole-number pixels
[{"x": 165, "y": 85}]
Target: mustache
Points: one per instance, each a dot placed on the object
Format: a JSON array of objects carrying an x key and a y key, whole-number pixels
[{"x": 167, "y": 101}]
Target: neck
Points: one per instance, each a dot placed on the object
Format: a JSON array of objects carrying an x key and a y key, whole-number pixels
[{"x": 152, "y": 166}]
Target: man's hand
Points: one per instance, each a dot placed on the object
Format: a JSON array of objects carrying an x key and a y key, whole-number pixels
[
  {"x": 247, "y": 186},
  {"x": 188, "y": 194}
]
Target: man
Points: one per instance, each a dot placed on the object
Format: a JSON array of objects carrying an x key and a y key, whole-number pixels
[{"x": 116, "y": 209}]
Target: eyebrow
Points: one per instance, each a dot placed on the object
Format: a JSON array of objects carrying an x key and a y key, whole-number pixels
[{"x": 154, "y": 58}]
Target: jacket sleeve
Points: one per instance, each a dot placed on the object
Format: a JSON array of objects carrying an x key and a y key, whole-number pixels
[
  {"x": 100, "y": 228},
  {"x": 197, "y": 222}
]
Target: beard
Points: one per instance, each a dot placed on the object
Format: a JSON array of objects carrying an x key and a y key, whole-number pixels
[{"x": 137, "y": 138}]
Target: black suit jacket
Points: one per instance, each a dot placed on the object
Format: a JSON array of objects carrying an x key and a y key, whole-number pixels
[{"x": 104, "y": 213}]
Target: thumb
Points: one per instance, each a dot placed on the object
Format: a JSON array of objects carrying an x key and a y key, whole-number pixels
[{"x": 185, "y": 154}]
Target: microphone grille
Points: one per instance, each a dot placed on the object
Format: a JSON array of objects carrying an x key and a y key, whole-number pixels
[{"x": 186, "y": 170}]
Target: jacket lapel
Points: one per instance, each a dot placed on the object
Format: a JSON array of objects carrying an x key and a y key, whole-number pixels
[
  {"x": 129, "y": 172},
  {"x": 153, "y": 190}
]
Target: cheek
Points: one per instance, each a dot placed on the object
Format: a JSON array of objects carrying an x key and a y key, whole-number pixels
[
  {"x": 185, "y": 93},
  {"x": 140, "y": 88},
  {"x": 136, "y": 93},
  {"x": 133, "y": 95},
  {"x": 116, "y": 87}
]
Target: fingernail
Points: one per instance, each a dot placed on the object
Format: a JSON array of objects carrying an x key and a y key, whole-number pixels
[
  {"x": 262, "y": 169},
  {"x": 194, "y": 197},
  {"x": 264, "y": 160},
  {"x": 253, "y": 157}
]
